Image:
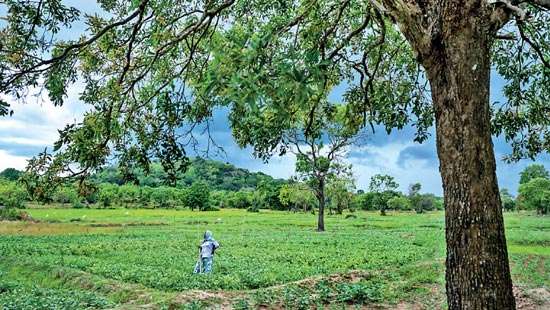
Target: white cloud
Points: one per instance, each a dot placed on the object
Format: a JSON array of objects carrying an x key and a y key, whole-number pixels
[
  {"x": 10, "y": 161},
  {"x": 35, "y": 123},
  {"x": 278, "y": 166},
  {"x": 385, "y": 160}
]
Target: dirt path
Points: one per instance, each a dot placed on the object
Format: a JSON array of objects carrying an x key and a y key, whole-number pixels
[{"x": 532, "y": 299}]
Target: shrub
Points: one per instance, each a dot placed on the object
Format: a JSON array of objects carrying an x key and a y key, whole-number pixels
[
  {"x": 399, "y": 203},
  {"x": 146, "y": 192},
  {"x": 65, "y": 194},
  {"x": 108, "y": 194},
  {"x": 129, "y": 194},
  {"x": 242, "y": 200},
  {"x": 361, "y": 292},
  {"x": 78, "y": 205},
  {"x": 197, "y": 196},
  {"x": 11, "y": 214},
  {"x": 216, "y": 199},
  {"x": 12, "y": 195},
  {"x": 164, "y": 197}
]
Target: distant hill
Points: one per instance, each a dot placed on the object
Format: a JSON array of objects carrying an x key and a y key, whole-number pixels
[{"x": 216, "y": 174}]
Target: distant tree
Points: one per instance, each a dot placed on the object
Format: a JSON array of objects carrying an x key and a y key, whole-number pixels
[
  {"x": 241, "y": 199},
  {"x": 340, "y": 188},
  {"x": 533, "y": 171},
  {"x": 535, "y": 195},
  {"x": 297, "y": 196},
  {"x": 197, "y": 196},
  {"x": 365, "y": 201},
  {"x": 508, "y": 202},
  {"x": 217, "y": 175},
  {"x": 385, "y": 188},
  {"x": 428, "y": 202},
  {"x": 267, "y": 195},
  {"x": 11, "y": 174},
  {"x": 415, "y": 197},
  {"x": 401, "y": 203},
  {"x": 320, "y": 138}
]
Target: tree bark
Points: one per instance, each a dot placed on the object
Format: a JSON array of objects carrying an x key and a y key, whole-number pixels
[
  {"x": 321, "y": 199},
  {"x": 477, "y": 269}
]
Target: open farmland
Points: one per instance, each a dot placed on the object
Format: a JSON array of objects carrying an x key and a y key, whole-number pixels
[{"x": 128, "y": 258}]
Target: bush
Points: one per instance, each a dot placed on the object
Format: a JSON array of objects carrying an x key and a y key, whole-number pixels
[
  {"x": 211, "y": 208},
  {"x": 11, "y": 214},
  {"x": 165, "y": 197},
  {"x": 217, "y": 199},
  {"x": 108, "y": 194},
  {"x": 242, "y": 200},
  {"x": 12, "y": 195},
  {"x": 65, "y": 194},
  {"x": 399, "y": 203},
  {"x": 129, "y": 194},
  {"x": 78, "y": 205},
  {"x": 145, "y": 195}
]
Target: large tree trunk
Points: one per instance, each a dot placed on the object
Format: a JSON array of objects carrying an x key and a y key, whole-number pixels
[{"x": 477, "y": 270}]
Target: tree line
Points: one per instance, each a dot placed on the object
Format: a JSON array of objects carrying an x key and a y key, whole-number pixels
[
  {"x": 267, "y": 193},
  {"x": 295, "y": 194}
]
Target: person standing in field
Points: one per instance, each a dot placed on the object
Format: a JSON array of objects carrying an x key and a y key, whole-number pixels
[{"x": 206, "y": 254}]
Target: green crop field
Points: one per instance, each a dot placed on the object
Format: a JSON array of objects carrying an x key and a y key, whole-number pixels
[{"x": 129, "y": 258}]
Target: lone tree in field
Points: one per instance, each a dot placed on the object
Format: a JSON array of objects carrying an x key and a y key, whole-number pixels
[
  {"x": 320, "y": 141},
  {"x": 402, "y": 61},
  {"x": 385, "y": 188},
  {"x": 414, "y": 197},
  {"x": 535, "y": 195}
]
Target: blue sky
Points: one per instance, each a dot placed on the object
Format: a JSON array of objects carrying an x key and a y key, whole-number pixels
[{"x": 34, "y": 126}]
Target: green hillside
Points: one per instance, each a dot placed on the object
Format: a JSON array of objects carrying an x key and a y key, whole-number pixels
[{"x": 216, "y": 174}]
